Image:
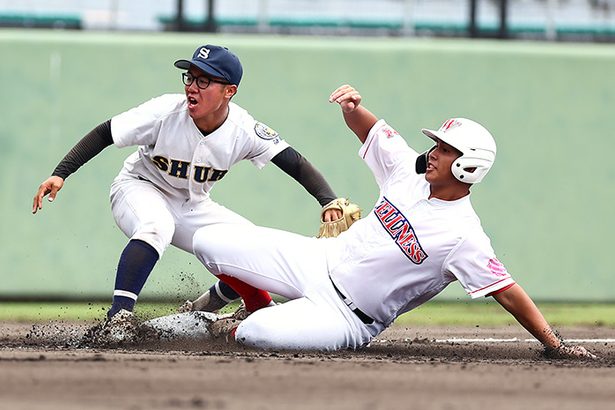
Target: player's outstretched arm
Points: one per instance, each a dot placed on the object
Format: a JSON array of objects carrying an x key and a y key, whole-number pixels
[
  {"x": 89, "y": 146},
  {"x": 358, "y": 118},
  {"x": 521, "y": 306},
  {"x": 50, "y": 187}
]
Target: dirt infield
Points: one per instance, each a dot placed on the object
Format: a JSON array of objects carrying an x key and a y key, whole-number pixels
[{"x": 41, "y": 368}]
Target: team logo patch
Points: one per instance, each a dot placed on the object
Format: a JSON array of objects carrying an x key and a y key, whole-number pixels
[
  {"x": 400, "y": 230},
  {"x": 389, "y": 132},
  {"x": 264, "y": 131}
]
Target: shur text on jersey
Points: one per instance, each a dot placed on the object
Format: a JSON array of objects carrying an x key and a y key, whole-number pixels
[
  {"x": 398, "y": 227},
  {"x": 181, "y": 169}
]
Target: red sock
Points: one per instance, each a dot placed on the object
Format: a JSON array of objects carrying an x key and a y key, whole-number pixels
[{"x": 253, "y": 298}]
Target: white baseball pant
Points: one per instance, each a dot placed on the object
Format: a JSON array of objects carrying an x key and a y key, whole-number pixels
[
  {"x": 289, "y": 265},
  {"x": 144, "y": 212}
]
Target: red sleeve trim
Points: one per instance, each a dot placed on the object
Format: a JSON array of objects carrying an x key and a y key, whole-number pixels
[
  {"x": 368, "y": 146},
  {"x": 495, "y": 292},
  {"x": 488, "y": 286}
]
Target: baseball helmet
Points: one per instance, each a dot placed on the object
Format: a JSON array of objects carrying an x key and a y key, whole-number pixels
[{"x": 476, "y": 144}]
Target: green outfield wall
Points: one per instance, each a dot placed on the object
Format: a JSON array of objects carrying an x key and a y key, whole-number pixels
[{"x": 547, "y": 204}]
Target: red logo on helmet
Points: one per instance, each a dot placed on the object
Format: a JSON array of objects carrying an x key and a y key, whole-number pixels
[{"x": 450, "y": 124}]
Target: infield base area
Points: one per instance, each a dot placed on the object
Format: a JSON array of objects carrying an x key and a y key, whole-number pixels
[{"x": 419, "y": 368}]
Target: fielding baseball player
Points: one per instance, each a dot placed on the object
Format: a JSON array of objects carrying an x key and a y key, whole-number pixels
[
  {"x": 421, "y": 235},
  {"x": 186, "y": 143}
]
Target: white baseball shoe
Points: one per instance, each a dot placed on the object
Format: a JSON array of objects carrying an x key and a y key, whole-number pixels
[{"x": 122, "y": 327}]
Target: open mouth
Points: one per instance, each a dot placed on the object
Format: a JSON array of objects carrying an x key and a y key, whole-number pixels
[{"x": 192, "y": 102}]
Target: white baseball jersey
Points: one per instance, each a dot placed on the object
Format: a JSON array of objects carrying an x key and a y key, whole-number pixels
[
  {"x": 180, "y": 165},
  {"x": 176, "y": 157},
  {"x": 409, "y": 247},
  {"x": 407, "y": 250}
]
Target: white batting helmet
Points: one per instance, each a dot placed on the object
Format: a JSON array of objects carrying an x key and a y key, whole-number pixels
[{"x": 476, "y": 144}]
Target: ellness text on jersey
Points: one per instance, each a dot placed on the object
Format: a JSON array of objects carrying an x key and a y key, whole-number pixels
[
  {"x": 400, "y": 230},
  {"x": 181, "y": 169}
]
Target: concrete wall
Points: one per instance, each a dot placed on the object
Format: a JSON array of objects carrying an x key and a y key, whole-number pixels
[{"x": 547, "y": 204}]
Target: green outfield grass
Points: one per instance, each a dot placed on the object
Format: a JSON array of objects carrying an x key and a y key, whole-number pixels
[
  {"x": 73, "y": 311},
  {"x": 432, "y": 313}
]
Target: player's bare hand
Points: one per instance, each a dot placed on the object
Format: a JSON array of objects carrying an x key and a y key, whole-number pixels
[
  {"x": 347, "y": 97},
  {"x": 570, "y": 352},
  {"x": 331, "y": 215},
  {"x": 50, "y": 187}
]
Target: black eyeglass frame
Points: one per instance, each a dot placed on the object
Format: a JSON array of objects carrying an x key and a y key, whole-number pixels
[{"x": 188, "y": 79}]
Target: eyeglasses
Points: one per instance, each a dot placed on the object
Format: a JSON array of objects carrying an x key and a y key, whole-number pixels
[{"x": 202, "y": 82}]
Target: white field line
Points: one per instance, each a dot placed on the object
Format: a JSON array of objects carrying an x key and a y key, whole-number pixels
[{"x": 517, "y": 340}]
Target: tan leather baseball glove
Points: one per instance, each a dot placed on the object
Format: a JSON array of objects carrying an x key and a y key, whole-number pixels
[{"x": 350, "y": 214}]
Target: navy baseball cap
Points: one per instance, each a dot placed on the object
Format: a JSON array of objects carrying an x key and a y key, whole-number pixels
[{"x": 216, "y": 61}]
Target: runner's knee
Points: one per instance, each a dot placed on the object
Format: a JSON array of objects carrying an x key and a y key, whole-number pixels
[{"x": 255, "y": 333}]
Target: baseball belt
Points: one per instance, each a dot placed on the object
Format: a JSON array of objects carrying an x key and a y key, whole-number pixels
[{"x": 360, "y": 314}]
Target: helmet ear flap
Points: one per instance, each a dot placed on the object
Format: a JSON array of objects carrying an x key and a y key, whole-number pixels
[
  {"x": 470, "y": 170},
  {"x": 420, "y": 166}
]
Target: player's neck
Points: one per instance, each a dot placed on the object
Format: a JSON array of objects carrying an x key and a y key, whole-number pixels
[
  {"x": 213, "y": 121},
  {"x": 449, "y": 192}
]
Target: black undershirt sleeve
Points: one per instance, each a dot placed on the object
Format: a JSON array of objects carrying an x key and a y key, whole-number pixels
[
  {"x": 86, "y": 149},
  {"x": 295, "y": 165}
]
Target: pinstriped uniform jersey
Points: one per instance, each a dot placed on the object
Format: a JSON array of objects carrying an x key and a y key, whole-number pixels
[{"x": 410, "y": 247}]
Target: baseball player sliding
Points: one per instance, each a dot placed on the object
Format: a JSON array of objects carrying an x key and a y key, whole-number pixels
[
  {"x": 186, "y": 143},
  {"x": 421, "y": 235}
]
